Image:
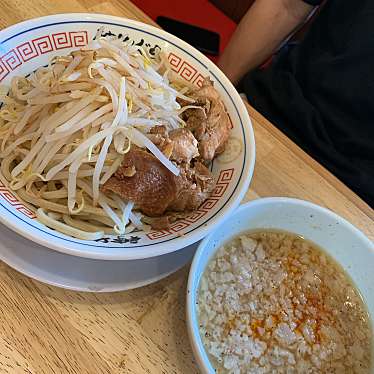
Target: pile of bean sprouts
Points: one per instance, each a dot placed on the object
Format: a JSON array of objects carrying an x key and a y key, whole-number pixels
[{"x": 65, "y": 128}]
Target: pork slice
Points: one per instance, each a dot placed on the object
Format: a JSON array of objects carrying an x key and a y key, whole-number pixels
[
  {"x": 152, "y": 188},
  {"x": 198, "y": 184},
  {"x": 210, "y": 126},
  {"x": 159, "y": 130},
  {"x": 178, "y": 145},
  {"x": 184, "y": 145},
  {"x": 159, "y": 136}
]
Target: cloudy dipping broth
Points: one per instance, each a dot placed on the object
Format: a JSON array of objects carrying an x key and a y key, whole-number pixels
[{"x": 273, "y": 302}]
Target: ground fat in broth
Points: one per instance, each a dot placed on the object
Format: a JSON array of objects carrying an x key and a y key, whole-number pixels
[{"x": 271, "y": 301}]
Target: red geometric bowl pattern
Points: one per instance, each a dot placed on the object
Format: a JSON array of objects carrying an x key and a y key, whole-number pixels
[
  {"x": 12, "y": 200},
  {"x": 185, "y": 70},
  {"x": 39, "y": 46}
]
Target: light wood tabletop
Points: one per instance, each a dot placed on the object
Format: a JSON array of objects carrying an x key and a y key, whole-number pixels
[{"x": 44, "y": 329}]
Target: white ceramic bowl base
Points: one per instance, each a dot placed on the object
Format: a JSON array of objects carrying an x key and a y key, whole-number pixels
[
  {"x": 345, "y": 243},
  {"x": 83, "y": 274}
]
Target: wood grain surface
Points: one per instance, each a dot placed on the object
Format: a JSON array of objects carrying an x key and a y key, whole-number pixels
[{"x": 44, "y": 329}]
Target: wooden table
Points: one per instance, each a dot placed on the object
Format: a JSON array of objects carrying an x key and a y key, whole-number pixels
[{"x": 49, "y": 330}]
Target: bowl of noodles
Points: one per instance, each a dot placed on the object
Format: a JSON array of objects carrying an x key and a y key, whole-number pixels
[{"x": 118, "y": 140}]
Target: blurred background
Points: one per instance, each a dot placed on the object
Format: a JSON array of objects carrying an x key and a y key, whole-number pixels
[
  {"x": 214, "y": 16},
  {"x": 220, "y": 16}
]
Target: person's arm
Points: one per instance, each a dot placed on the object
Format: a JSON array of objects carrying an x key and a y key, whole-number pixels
[{"x": 266, "y": 24}]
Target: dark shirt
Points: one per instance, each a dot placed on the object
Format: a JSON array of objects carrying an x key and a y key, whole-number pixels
[{"x": 320, "y": 92}]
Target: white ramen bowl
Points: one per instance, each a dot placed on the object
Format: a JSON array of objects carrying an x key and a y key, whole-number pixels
[
  {"x": 31, "y": 44},
  {"x": 340, "y": 239}
]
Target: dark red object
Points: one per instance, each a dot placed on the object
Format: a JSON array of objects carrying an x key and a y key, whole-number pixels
[{"x": 196, "y": 12}]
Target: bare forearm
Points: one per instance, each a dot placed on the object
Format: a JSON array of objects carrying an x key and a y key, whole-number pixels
[{"x": 259, "y": 33}]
